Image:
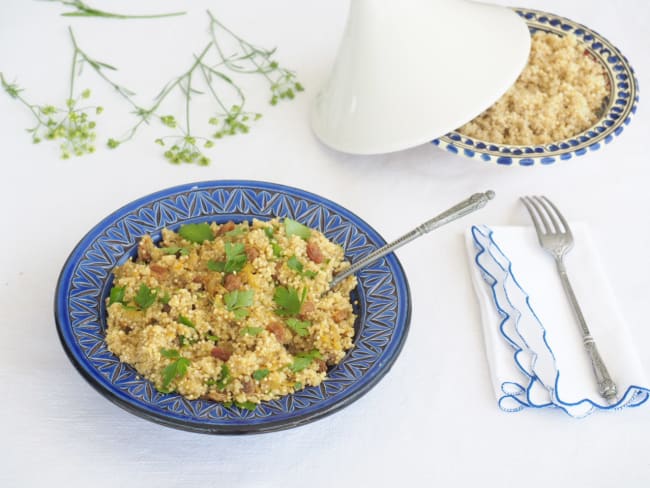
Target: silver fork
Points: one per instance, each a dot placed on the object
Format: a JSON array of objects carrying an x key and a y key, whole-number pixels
[{"x": 555, "y": 237}]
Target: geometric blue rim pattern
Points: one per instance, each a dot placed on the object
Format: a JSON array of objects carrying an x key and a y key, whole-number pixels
[
  {"x": 384, "y": 304},
  {"x": 620, "y": 105}
]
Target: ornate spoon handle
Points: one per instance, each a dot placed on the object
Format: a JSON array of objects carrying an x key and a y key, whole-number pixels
[{"x": 475, "y": 202}]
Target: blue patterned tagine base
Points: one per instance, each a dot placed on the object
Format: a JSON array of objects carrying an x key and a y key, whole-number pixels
[
  {"x": 617, "y": 112},
  {"x": 383, "y": 307}
]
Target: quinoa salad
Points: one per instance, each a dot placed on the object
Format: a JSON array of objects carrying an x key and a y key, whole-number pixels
[
  {"x": 559, "y": 94},
  {"x": 235, "y": 313}
]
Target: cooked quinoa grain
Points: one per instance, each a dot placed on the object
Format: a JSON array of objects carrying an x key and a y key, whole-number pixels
[
  {"x": 232, "y": 312},
  {"x": 559, "y": 94}
]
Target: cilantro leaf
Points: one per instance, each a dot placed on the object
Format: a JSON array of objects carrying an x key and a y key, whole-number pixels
[
  {"x": 304, "y": 359},
  {"x": 212, "y": 338},
  {"x": 237, "y": 231},
  {"x": 251, "y": 331},
  {"x": 196, "y": 233},
  {"x": 288, "y": 301},
  {"x": 269, "y": 231},
  {"x": 165, "y": 298},
  {"x": 294, "y": 263},
  {"x": 247, "y": 405},
  {"x": 117, "y": 295},
  {"x": 293, "y": 228},
  {"x": 186, "y": 341},
  {"x": 260, "y": 374},
  {"x": 183, "y": 251},
  {"x": 236, "y": 301},
  {"x": 145, "y": 297},
  {"x": 187, "y": 322},
  {"x": 170, "y": 353},
  {"x": 216, "y": 265},
  {"x": 175, "y": 369},
  {"x": 224, "y": 377},
  {"x": 297, "y": 385},
  {"x": 300, "y": 327},
  {"x": 235, "y": 257},
  {"x": 277, "y": 249}
]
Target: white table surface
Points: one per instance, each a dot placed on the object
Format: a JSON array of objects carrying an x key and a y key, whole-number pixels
[{"x": 433, "y": 418}]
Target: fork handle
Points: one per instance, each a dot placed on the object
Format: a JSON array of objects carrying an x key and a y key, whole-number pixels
[{"x": 606, "y": 386}]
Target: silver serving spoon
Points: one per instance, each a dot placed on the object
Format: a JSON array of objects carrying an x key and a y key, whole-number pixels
[{"x": 475, "y": 202}]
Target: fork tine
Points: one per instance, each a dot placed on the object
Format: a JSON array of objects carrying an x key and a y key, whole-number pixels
[
  {"x": 567, "y": 229},
  {"x": 541, "y": 212},
  {"x": 533, "y": 216},
  {"x": 549, "y": 213}
]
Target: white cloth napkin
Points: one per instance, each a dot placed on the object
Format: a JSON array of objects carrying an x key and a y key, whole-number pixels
[{"x": 532, "y": 339}]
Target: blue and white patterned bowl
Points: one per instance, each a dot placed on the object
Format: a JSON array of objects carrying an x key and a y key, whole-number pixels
[
  {"x": 384, "y": 305},
  {"x": 617, "y": 112}
]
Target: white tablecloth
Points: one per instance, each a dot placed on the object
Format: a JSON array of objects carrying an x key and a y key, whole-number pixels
[{"x": 433, "y": 418}]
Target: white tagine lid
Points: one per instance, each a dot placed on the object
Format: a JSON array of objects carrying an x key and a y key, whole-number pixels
[{"x": 410, "y": 71}]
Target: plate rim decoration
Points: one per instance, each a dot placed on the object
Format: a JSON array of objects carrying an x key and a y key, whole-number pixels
[
  {"x": 84, "y": 282},
  {"x": 620, "y": 107}
]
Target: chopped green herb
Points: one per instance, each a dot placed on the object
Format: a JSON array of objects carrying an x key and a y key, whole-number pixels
[
  {"x": 277, "y": 249},
  {"x": 176, "y": 369},
  {"x": 237, "y": 302},
  {"x": 304, "y": 359},
  {"x": 212, "y": 338},
  {"x": 269, "y": 231},
  {"x": 235, "y": 259},
  {"x": 196, "y": 233},
  {"x": 165, "y": 298},
  {"x": 224, "y": 377},
  {"x": 251, "y": 331},
  {"x": 187, "y": 322},
  {"x": 170, "y": 353},
  {"x": 216, "y": 265},
  {"x": 183, "y": 251},
  {"x": 145, "y": 297},
  {"x": 117, "y": 295},
  {"x": 288, "y": 301},
  {"x": 260, "y": 374},
  {"x": 247, "y": 405},
  {"x": 294, "y": 263},
  {"x": 293, "y": 228},
  {"x": 237, "y": 231},
  {"x": 300, "y": 327},
  {"x": 297, "y": 385},
  {"x": 186, "y": 341}
]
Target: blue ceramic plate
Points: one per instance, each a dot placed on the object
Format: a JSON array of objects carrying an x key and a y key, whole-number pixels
[
  {"x": 617, "y": 111},
  {"x": 383, "y": 308}
]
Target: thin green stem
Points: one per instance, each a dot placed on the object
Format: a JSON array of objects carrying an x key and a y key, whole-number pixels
[
  {"x": 84, "y": 10},
  {"x": 188, "y": 96},
  {"x": 74, "y": 65}
]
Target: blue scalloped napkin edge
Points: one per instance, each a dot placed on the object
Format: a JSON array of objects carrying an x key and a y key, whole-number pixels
[{"x": 496, "y": 270}]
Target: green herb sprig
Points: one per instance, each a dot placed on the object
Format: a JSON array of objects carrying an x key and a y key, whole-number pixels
[
  {"x": 294, "y": 263},
  {"x": 71, "y": 124},
  {"x": 175, "y": 370},
  {"x": 303, "y": 360},
  {"x": 84, "y": 10},
  {"x": 238, "y": 302},
  {"x": 255, "y": 60},
  {"x": 235, "y": 259},
  {"x": 288, "y": 300}
]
